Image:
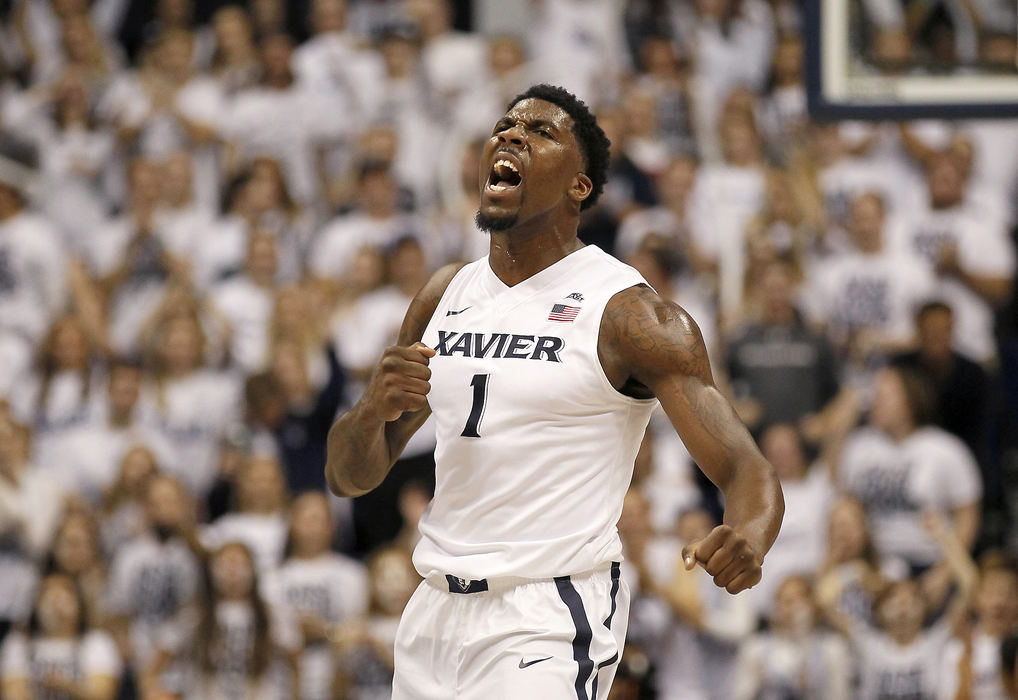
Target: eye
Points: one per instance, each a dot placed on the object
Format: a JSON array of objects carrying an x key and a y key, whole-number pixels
[{"x": 543, "y": 133}]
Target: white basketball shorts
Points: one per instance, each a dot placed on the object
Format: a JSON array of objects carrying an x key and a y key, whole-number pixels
[{"x": 507, "y": 639}]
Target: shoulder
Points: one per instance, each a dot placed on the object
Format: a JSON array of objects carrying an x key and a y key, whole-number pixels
[
  {"x": 425, "y": 302},
  {"x": 645, "y": 337},
  {"x": 642, "y": 322},
  {"x": 940, "y": 443}
]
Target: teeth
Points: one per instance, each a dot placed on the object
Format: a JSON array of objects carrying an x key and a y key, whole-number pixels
[
  {"x": 507, "y": 164},
  {"x": 497, "y": 188}
]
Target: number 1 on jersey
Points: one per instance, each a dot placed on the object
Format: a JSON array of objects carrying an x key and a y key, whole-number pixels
[{"x": 480, "y": 384}]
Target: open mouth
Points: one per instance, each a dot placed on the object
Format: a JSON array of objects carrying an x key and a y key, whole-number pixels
[{"x": 504, "y": 175}]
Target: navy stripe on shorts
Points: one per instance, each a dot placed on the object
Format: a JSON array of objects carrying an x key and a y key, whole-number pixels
[{"x": 584, "y": 635}]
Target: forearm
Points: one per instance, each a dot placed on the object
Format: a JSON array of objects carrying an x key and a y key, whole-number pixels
[
  {"x": 754, "y": 505},
  {"x": 358, "y": 453},
  {"x": 993, "y": 290}
]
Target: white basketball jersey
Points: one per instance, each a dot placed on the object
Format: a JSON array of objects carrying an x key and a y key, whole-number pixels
[{"x": 535, "y": 446}]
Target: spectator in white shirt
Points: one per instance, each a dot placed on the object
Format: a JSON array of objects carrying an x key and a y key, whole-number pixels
[
  {"x": 236, "y": 640},
  {"x": 123, "y": 507},
  {"x": 376, "y": 222},
  {"x": 452, "y": 60},
  {"x": 899, "y": 466},
  {"x": 795, "y": 657},
  {"x": 154, "y": 577},
  {"x": 76, "y": 553},
  {"x": 320, "y": 589},
  {"x": 901, "y": 655},
  {"x": 60, "y": 655},
  {"x": 132, "y": 263},
  {"x": 259, "y": 517},
  {"x": 246, "y": 301},
  {"x": 970, "y": 253},
  {"x": 74, "y": 150},
  {"x": 867, "y": 298},
  {"x": 695, "y": 639},
  {"x": 235, "y": 59},
  {"x": 284, "y": 119},
  {"x": 972, "y": 660},
  {"x": 30, "y": 501},
  {"x": 88, "y": 458},
  {"x": 59, "y": 398},
  {"x": 194, "y": 405},
  {"x": 33, "y": 275},
  {"x": 808, "y": 492}
]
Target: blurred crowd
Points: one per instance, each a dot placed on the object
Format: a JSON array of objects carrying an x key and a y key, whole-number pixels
[{"x": 213, "y": 217}]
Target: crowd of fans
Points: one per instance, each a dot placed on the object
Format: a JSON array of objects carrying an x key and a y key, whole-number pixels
[{"x": 213, "y": 217}]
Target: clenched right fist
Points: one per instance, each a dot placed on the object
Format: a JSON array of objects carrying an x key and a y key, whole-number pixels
[{"x": 400, "y": 381}]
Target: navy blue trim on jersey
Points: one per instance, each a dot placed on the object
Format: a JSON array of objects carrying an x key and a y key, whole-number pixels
[
  {"x": 459, "y": 585},
  {"x": 584, "y": 635}
]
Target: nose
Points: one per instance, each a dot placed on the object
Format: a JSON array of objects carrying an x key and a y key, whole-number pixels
[{"x": 513, "y": 135}]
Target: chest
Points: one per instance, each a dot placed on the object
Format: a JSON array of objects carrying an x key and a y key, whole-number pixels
[{"x": 540, "y": 359}]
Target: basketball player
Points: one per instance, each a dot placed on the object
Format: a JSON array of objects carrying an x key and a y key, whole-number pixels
[{"x": 541, "y": 364}]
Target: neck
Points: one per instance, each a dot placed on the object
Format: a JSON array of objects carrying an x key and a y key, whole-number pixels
[
  {"x": 904, "y": 637},
  {"x": 520, "y": 253},
  {"x": 901, "y": 431},
  {"x": 307, "y": 553},
  {"x": 779, "y": 317},
  {"x": 120, "y": 419}
]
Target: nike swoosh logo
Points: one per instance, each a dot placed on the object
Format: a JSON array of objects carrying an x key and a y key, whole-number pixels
[
  {"x": 524, "y": 664},
  {"x": 453, "y": 313}
]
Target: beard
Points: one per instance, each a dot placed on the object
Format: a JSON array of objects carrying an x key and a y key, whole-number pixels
[{"x": 490, "y": 224}]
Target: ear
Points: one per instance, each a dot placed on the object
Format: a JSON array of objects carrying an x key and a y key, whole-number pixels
[{"x": 580, "y": 188}]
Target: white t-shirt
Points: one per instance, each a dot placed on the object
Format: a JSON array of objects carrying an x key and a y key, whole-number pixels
[
  {"x": 337, "y": 244},
  {"x": 333, "y": 63},
  {"x": 87, "y": 460},
  {"x": 264, "y": 535},
  {"x": 331, "y": 588},
  {"x": 286, "y": 124},
  {"x": 984, "y": 248},
  {"x": 33, "y": 278},
  {"x": 17, "y": 587},
  {"x": 848, "y": 178},
  {"x": 67, "y": 406},
  {"x": 95, "y": 654},
  {"x": 193, "y": 414},
  {"x": 878, "y": 292},
  {"x": 151, "y": 582},
  {"x": 897, "y": 481},
  {"x": 774, "y": 666},
  {"x": 987, "y": 683},
  {"x": 219, "y": 250},
  {"x": 802, "y": 541},
  {"x": 15, "y": 362},
  {"x": 692, "y": 664},
  {"x": 454, "y": 62},
  {"x": 248, "y": 308},
  {"x": 234, "y": 677},
  {"x": 889, "y": 670},
  {"x": 34, "y": 505},
  {"x": 580, "y": 46},
  {"x": 137, "y": 297},
  {"x": 723, "y": 200}
]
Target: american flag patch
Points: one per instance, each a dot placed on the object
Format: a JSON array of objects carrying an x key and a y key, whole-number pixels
[{"x": 562, "y": 312}]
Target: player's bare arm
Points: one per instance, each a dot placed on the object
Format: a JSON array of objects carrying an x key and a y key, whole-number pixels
[
  {"x": 367, "y": 440},
  {"x": 651, "y": 347}
]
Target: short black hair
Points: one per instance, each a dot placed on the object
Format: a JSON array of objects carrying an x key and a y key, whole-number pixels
[{"x": 593, "y": 141}]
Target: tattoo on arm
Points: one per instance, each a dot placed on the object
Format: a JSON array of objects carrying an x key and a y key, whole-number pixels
[{"x": 660, "y": 346}]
